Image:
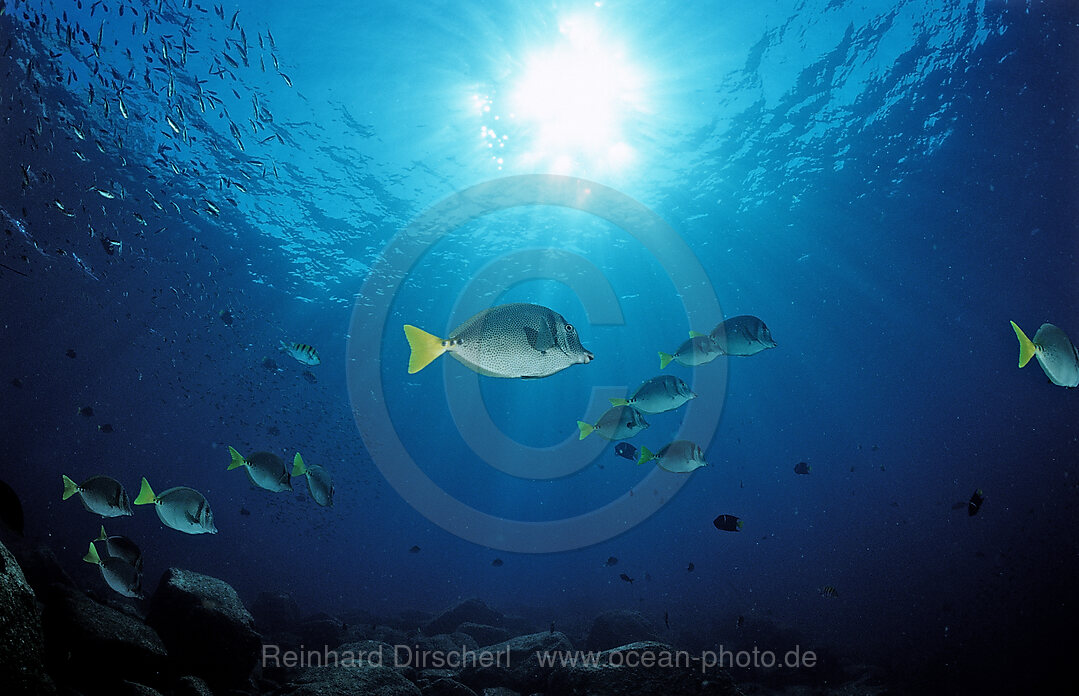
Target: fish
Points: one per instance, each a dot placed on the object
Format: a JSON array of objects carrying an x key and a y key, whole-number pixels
[
  {"x": 698, "y": 350},
  {"x": 742, "y": 336},
  {"x": 122, "y": 105},
  {"x": 265, "y": 469},
  {"x": 225, "y": 316},
  {"x": 728, "y": 523},
  {"x": 270, "y": 364},
  {"x": 690, "y": 568},
  {"x": 105, "y": 428},
  {"x": 102, "y": 495},
  {"x": 414, "y": 549},
  {"x": 626, "y": 450},
  {"x": 519, "y": 340},
  {"x": 120, "y": 575},
  {"x": 802, "y": 468},
  {"x": 667, "y": 620},
  {"x": 679, "y": 457},
  {"x": 497, "y": 563},
  {"x": 244, "y": 511},
  {"x": 70, "y": 352},
  {"x": 740, "y": 622},
  {"x": 285, "y": 78},
  {"x": 319, "y": 483},
  {"x": 85, "y": 411},
  {"x": 611, "y": 561},
  {"x": 1056, "y": 353},
  {"x": 975, "y": 504},
  {"x": 310, "y": 376},
  {"x": 172, "y": 124},
  {"x": 626, "y": 578},
  {"x": 827, "y": 591},
  {"x": 301, "y": 352},
  {"x": 121, "y": 547},
  {"x": 617, "y": 423},
  {"x": 658, "y": 395},
  {"x": 11, "y": 513},
  {"x": 181, "y": 508}
]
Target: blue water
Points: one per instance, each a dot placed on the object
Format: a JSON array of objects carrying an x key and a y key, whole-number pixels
[{"x": 885, "y": 184}]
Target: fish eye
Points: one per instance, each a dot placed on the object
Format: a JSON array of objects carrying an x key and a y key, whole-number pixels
[{"x": 569, "y": 328}]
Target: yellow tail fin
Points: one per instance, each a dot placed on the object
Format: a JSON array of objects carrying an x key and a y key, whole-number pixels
[
  {"x": 91, "y": 555},
  {"x": 619, "y": 402},
  {"x": 102, "y": 536},
  {"x": 664, "y": 359},
  {"x": 425, "y": 348},
  {"x": 70, "y": 488},
  {"x": 237, "y": 460},
  {"x": 1026, "y": 348},
  {"x": 298, "y": 467},
  {"x": 586, "y": 429},
  {"x": 646, "y": 455},
  {"x": 695, "y": 334},
  {"x": 146, "y": 494}
]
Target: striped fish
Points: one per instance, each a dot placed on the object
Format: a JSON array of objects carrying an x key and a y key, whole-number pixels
[{"x": 302, "y": 352}]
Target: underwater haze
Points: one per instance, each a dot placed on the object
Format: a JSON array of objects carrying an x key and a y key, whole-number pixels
[{"x": 194, "y": 193}]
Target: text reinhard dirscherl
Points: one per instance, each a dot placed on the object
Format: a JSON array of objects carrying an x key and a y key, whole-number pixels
[{"x": 648, "y": 657}]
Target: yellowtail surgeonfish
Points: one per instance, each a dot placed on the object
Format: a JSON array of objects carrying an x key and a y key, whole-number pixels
[
  {"x": 742, "y": 335},
  {"x": 121, "y": 547},
  {"x": 513, "y": 340},
  {"x": 617, "y": 423},
  {"x": 302, "y": 352},
  {"x": 265, "y": 469},
  {"x": 181, "y": 508},
  {"x": 698, "y": 350},
  {"x": 679, "y": 457},
  {"x": 118, "y": 573},
  {"x": 1055, "y": 351},
  {"x": 100, "y": 494},
  {"x": 319, "y": 483},
  {"x": 657, "y": 395}
]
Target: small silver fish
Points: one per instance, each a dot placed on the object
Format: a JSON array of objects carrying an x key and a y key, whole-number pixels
[
  {"x": 617, "y": 423},
  {"x": 301, "y": 352},
  {"x": 742, "y": 335},
  {"x": 120, "y": 575},
  {"x": 679, "y": 457},
  {"x": 698, "y": 350},
  {"x": 657, "y": 395}
]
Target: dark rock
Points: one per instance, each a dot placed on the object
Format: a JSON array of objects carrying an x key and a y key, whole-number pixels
[
  {"x": 191, "y": 686},
  {"x": 206, "y": 628},
  {"x": 22, "y": 643},
  {"x": 133, "y": 689},
  {"x": 321, "y": 630},
  {"x": 515, "y": 663},
  {"x": 484, "y": 635},
  {"x": 360, "y": 617},
  {"x": 83, "y": 636},
  {"x": 275, "y": 612},
  {"x": 42, "y": 568},
  {"x": 499, "y": 691},
  {"x": 409, "y": 619},
  {"x": 612, "y": 629},
  {"x": 640, "y": 669},
  {"x": 470, "y": 611},
  {"x": 446, "y": 687},
  {"x": 351, "y": 681}
]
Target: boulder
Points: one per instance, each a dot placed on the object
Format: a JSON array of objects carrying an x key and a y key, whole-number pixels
[
  {"x": 499, "y": 691},
  {"x": 483, "y": 634},
  {"x": 612, "y": 629},
  {"x": 320, "y": 631},
  {"x": 275, "y": 612},
  {"x": 133, "y": 689},
  {"x": 205, "y": 627},
  {"x": 351, "y": 681},
  {"x": 94, "y": 647},
  {"x": 515, "y": 663},
  {"x": 640, "y": 669},
  {"x": 191, "y": 686},
  {"x": 470, "y": 611},
  {"x": 22, "y": 642}
]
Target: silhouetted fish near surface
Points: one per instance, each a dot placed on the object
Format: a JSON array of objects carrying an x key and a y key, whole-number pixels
[
  {"x": 245, "y": 512},
  {"x": 828, "y": 591},
  {"x": 105, "y": 428},
  {"x": 226, "y": 317},
  {"x": 270, "y": 364},
  {"x": 728, "y": 523},
  {"x": 611, "y": 561},
  {"x": 310, "y": 376},
  {"x": 497, "y": 563},
  {"x": 690, "y": 568},
  {"x": 86, "y": 411},
  {"x": 11, "y": 513},
  {"x": 802, "y": 468},
  {"x": 626, "y": 451},
  {"x": 414, "y": 549},
  {"x": 626, "y": 578},
  {"x": 70, "y": 352}
]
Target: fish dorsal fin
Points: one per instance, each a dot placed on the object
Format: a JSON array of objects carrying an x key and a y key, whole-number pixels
[{"x": 538, "y": 342}]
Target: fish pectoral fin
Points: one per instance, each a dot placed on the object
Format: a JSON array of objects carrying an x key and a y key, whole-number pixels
[{"x": 541, "y": 342}]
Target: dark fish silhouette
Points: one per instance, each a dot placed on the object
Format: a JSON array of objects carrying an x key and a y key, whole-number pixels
[
  {"x": 16, "y": 382},
  {"x": 11, "y": 509},
  {"x": 310, "y": 376},
  {"x": 626, "y": 450},
  {"x": 226, "y": 317},
  {"x": 105, "y": 427},
  {"x": 802, "y": 468},
  {"x": 975, "y": 504},
  {"x": 626, "y": 578},
  {"x": 497, "y": 563},
  {"x": 414, "y": 549},
  {"x": 86, "y": 411},
  {"x": 741, "y": 621},
  {"x": 728, "y": 523},
  {"x": 612, "y": 561},
  {"x": 70, "y": 352},
  {"x": 667, "y": 620},
  {"x": 245, "y": 512},
  {"x": 690, "y": 567}
]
